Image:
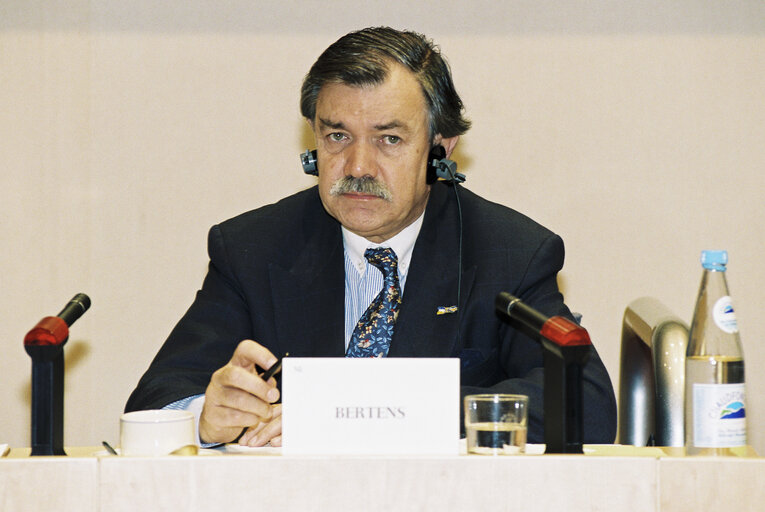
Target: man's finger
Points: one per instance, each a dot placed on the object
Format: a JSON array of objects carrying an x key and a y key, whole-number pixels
[
  {"x": 239, "y": 400},
  {"x": 250, "y": 353},
  {"x": 262, "y": 436}
]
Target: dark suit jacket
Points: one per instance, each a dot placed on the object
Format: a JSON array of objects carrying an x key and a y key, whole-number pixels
[{"x": 276, "y": 276}]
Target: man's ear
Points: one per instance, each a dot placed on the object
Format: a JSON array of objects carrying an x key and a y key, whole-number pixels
[{"x": 448, "y": 144}]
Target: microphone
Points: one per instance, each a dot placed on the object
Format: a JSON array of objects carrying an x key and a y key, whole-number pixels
[
  {"x": 566, "y": 347},
  {"x": 74, "y": 309},
  {"x": 45, "y": 345},
  {"x": 561, "y": 331},
  {"x": 54, "y": 330}
]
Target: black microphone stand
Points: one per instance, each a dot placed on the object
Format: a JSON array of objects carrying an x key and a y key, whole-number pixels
[
  {"x": 563, "y": 394},
  {"x": 566, "y": 347},
  {"x": 45, "y": 345},
  {"x": 47, "y": 398}
]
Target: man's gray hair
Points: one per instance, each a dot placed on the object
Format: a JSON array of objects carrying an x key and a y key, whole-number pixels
[{"x": 363, "y": 58}]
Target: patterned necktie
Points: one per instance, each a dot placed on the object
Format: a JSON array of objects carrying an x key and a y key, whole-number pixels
[{"x": 373, "y": 332}]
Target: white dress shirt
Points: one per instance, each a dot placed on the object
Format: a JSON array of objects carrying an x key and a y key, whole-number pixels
[{"x": 363, "y": 281}]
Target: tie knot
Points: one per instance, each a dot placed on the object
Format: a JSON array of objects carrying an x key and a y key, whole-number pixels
[{"x": 383, "y": 258}]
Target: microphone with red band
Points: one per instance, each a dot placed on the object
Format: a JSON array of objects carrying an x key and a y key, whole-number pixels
[
  {"x": 45, "y": 345},
  {"x": 566, "y": 347},
  {"x": 54, "y": 330},
  {"x": 561, "y": 331}
]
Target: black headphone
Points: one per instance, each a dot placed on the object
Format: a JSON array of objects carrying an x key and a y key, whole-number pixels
[
  {"x": 438, "y": 166},
  {"x": 308, "y": 160},
  {"x": 441, "y": 167}
]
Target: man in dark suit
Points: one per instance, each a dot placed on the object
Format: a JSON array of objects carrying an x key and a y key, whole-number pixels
[{"x": 289, "y": 278}]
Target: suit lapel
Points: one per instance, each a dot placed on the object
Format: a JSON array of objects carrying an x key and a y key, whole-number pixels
[
  {"x": 431, "y": 283},
  {"x": 309, "y": 297}
]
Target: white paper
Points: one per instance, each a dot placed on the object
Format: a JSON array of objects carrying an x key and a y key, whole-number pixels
[{"x": 369, "y": 406}]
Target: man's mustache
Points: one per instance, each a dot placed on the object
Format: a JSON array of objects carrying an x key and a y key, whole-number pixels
[{"x": 366, "y": 185}]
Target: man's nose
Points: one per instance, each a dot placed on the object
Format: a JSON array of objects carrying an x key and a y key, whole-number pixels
[{"x": 360, "y": 160}]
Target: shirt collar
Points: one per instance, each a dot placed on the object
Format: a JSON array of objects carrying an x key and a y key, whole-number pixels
[{"x": 402, "y": 244}]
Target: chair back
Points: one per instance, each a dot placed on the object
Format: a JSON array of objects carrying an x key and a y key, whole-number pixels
[{"x": 652, "y": 375}]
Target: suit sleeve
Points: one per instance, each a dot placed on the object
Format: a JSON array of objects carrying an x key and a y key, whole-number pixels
[
  {"x": 202, "y": 341},
  {"x": 520, "y": 356}
]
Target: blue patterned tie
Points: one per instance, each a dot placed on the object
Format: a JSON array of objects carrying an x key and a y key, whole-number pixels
[{"x": 373, "y": 332}]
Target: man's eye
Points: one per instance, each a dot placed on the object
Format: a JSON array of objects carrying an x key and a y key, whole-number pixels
[
  {"x": 336, "y": 137},
  {"x": 391, "y": 139}
]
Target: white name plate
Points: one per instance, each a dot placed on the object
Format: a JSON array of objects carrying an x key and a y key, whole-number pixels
[{"x": 360, "y": 406}]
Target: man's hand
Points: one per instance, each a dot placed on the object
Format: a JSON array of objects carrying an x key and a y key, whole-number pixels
[
  {"x": 265, "y": 432},
  {"x": 237, "y": 397}
]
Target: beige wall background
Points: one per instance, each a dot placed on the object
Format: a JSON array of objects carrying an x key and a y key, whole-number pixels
[{"x": 634, "y": 130}]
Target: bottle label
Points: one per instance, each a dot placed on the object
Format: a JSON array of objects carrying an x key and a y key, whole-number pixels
[
  {"x": 719, "y": 415},
  {"x": 725, "y": 317}
]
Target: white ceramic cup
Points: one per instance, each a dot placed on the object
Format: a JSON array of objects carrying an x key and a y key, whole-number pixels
[{"x": 155, "y": 432}]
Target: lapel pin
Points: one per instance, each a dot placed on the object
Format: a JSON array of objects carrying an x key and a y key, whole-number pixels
[{"x": 446, "y": 310}]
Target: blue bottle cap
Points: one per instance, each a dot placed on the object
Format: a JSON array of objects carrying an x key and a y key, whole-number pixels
[{"x": 714, "y": 260}]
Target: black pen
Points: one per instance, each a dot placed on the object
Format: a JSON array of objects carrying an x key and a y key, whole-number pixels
[{"x": 274, "y": 368}]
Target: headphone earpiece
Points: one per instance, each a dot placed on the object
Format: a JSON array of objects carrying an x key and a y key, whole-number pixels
[
  {"x": 441, "y": 167},
  {"x": 308, "y": 160}
]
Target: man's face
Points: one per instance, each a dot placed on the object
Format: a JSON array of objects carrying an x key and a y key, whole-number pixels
[{"x": 379, "y": 133}]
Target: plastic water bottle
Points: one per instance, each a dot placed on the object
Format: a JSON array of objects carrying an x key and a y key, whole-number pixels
[{"x": 715, "y": 405}]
